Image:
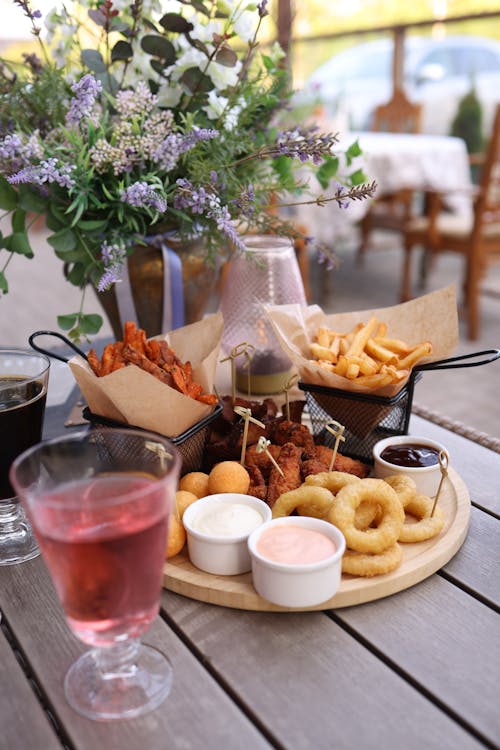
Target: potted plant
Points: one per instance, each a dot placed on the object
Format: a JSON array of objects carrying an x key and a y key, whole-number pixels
[{"x": 134, "y": 120}]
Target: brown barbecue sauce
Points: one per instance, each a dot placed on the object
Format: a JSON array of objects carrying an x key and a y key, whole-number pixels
[{"x": 410, "y": 454}]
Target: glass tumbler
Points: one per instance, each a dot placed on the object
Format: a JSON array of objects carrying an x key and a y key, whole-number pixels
[
  {"x": 268, "y": 273},
  {"x": 24, "y": 378}
]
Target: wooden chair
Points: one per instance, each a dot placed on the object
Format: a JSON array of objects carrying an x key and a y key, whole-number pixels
[
  {"x": 392, "y": 210},
  {"x": 478, "y": 239}
]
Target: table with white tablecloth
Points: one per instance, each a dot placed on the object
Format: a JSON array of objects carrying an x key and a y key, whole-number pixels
[{"x": 395, "y": 161}]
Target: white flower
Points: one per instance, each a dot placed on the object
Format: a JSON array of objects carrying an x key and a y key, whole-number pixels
[
  {"x": 169, "y": 96},
  {"x": 222, "y": 76},
  {"x": 205, "y": 32},
  {"x": 276, "y": 54},
  {"x": 245, "y": 25},
  {"x": 216, "y": 105}
]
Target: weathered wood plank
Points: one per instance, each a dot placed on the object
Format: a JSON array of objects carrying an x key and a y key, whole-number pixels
[
  {"x": 476, "y": 465},
  {"x": 196, "y": 712},
  {"x": 477, "y": 563},
  {"x": 443, "y": 639},
  {"x": 311, "y": 683},
  {"x": 22, "y": 720}
]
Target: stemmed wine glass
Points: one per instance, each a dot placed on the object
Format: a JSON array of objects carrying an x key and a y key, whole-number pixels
[
  {"x": 24, "y": 377},
  {"x": 100, "y": 503}
]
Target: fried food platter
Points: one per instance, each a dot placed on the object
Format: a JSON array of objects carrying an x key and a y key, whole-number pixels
[{"x": 420, "y": 560}]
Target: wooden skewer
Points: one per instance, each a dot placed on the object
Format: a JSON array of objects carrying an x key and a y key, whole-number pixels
[
  {"x": 235, "y": 352},
  {"x": 443, "y": 466},
  {"x": 288, "y": 385},
  {"x": 247, "y": 416},
  {"x": 337, "y": 430},
  {"x": 262, "y": 447}
]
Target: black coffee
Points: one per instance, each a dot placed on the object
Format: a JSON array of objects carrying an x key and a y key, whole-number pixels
[{"x": 21, "y": 419}]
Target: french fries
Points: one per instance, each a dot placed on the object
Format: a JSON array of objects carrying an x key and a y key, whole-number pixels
[
  {"x": 153, "y": 356},
  {"x": 366, "y": 354}
]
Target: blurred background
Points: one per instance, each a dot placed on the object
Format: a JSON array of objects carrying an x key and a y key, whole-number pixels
[{"x": 345, "y": 58}]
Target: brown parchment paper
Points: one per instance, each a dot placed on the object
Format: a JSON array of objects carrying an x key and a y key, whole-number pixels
[
  {"x": 432, "y": 317},
  {"x": 135, "y": 397}
]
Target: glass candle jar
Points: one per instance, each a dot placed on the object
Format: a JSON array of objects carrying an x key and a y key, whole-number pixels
[{"x": 268, "y": 273}]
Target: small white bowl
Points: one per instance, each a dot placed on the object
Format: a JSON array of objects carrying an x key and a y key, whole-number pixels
[
  {"x": 297, "y": 584},
  {"x": 216, "y": 553},
  {"x": 426, "y": 478}
]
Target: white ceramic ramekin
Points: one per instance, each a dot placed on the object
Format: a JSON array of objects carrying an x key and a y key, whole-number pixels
[
  {"x": 297, "y": 585},
  {"x": 426, "y": 478},
  {"x": 222, "y": 555}
]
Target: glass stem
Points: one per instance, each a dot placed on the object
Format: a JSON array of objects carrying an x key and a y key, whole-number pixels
[
  {"x": 10, "y": 516},
  {"x": 118, "y": 660}
]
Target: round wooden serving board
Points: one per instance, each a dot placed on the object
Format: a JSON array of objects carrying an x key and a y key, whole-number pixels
[{"x": 420, "y": 560}]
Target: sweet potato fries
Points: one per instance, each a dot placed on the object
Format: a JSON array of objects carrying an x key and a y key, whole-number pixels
[{"x": 153, "y": 356}]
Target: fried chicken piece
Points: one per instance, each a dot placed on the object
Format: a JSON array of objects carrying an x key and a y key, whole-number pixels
[
  {"x": 258, "y": 487},
  {"x": 289, "y": 461},
  {"x": 342, "y": 463},
  {"x": 262, "y": 460},
  {"x": 293, "y": 432},
  {"x": 312, "y": 466}
]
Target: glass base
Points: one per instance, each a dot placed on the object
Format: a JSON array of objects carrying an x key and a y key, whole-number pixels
[
  {"x": 128, "y": 690},
  {"x": 17, "y": 542}
]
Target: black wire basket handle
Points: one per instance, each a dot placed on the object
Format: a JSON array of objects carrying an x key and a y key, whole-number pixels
[
  {"x": 488, "y": 355},
  {"x": 52, "y": 354}
]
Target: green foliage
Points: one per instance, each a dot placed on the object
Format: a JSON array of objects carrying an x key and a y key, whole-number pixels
[{"x": 468, "y": 122}]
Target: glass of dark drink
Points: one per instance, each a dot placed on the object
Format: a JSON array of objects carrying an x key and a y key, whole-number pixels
[
  {"x": 24, "y": 378},
  {"x": 100, "y": 503}
]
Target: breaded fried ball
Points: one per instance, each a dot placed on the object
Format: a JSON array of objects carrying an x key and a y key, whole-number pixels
[
  {"x": 183, "y": 498},
  {"x": 176, "y": 536},
  {"x": 195, "y": 482},
  {"x": 228, "y": 476}
]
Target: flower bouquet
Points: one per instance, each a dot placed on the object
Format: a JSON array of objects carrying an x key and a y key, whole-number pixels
[{"x": 133, "y": 117}]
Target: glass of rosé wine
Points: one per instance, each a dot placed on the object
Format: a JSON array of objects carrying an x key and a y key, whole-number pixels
[
  {"x": 24, "y": 376},
  {"x": 100, "y": 502}
]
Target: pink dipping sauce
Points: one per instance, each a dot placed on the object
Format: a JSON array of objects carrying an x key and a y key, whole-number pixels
[{"x": 294, "y": 545}]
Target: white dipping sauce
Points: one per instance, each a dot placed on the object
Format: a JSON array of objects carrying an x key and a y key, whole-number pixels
[{"x": 227, "y": 520}]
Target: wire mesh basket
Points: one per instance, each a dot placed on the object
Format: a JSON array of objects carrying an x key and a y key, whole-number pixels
[
  {"x": 370, "y": 418},
  {"x": 190, "y": 443}
]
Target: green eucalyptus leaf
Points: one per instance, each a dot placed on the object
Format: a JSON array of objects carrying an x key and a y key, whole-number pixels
[
  {"x": 4, "y": 284},
  {"x": 122, "y": 51},
  {"x": 19, "y": 243},
  {"x": 353, "y": 151},
  {"x": 90, "y": 324},
  {"x": 8, "y": 196},
  {"x": 64, "y": 240},
  {"x": 32, "y": 201},
  {"x": 93, "y": 60},
  {"x": 19, "y": 220},
  {"x": 358, "y": 177},
  {"x": 109, "y": 83},
  {"x": 176, "y": 23},
  {"x": 67, "y": 321},
  {"x": 226, "y": 56},
  {"x": 76, "y": 274},
  {"x": 195, "y": 80},
  {"x": 160, "y": 47},
  {"x": 158, "y": 65},
  {"x": 327, "y": 171}
]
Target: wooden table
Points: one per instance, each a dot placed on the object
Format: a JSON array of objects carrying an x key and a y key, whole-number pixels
[{"x": 419, "y": 669}]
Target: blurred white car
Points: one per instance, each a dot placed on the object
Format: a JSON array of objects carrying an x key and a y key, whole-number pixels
[{"x": 437, "y": 73}]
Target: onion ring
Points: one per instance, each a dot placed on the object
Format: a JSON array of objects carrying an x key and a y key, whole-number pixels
[
  {"x": 404, "y": 486},
  {"x": 366, "y": 514},
  {"x": 332, "y": 480},
  {"x": 357, "y": 564},
  {"x": 343, "y": 515},
  {"x": 306, "y": 499},
  {"x": 426, "y": 526}
]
